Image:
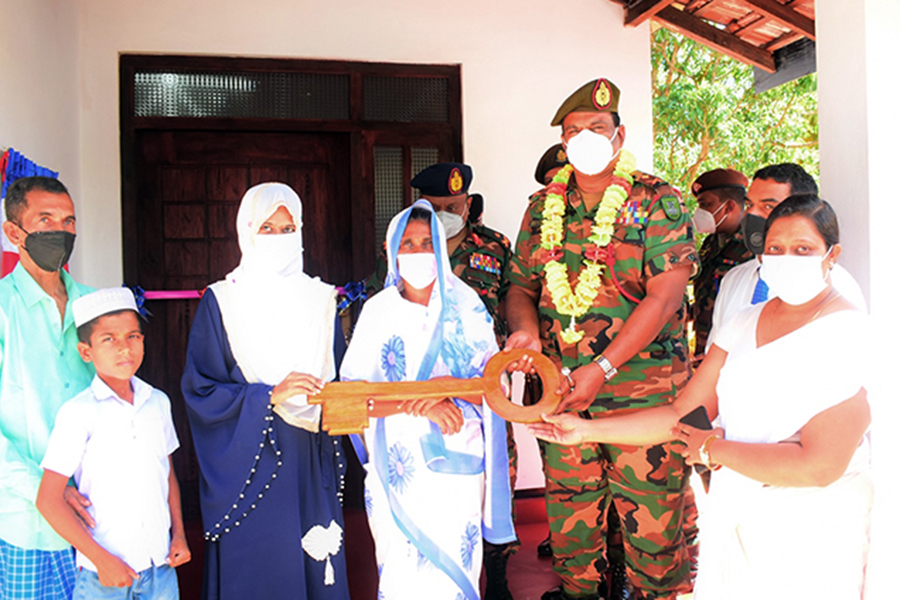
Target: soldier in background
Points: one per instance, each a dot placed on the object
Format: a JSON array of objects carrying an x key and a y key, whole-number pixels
[
  {"x": 480, "y": 256},
  {"x": 620, "y": 340},
  {"x": 550, "y": 163},
  {"x": 720, "y": 206},
  {"x": 742, "y": 287}
]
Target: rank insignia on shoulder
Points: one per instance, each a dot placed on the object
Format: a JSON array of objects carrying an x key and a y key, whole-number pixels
[
  {"x": 632, "y": 213},
  {"x": 671, "y": 207},
  {"x": 483, "y": 262}
]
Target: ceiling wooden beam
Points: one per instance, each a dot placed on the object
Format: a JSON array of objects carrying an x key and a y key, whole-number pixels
[
  {"x": 724, "y": 42},
  {"x": 784, "y": 16},
  {"x": 785, "y": 40},
  {"x": 642, "y": 10}
]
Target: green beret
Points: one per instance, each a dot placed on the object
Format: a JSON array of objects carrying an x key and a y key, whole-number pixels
[{"x": 600, "y": 95}]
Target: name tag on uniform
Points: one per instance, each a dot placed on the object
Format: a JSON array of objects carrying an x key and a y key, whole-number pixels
[
  {"x": 632, "y": 213},
  {"x": 483, "y": 262}
]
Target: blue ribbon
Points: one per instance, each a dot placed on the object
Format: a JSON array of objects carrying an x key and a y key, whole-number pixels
[
  {"x": 140, "y": 300},
  {"x": 352, "y": 292}
]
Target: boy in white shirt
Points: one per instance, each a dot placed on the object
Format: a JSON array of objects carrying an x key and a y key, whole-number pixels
[{"x": 116, "y": 438}]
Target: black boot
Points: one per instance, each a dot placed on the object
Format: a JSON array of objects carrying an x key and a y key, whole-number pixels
[
  {"x": 557, "y": 593},
  {"x": 495, "y": 558},
  {"x": 619, "y": 586},
  {"x": 544, "y": 549}
]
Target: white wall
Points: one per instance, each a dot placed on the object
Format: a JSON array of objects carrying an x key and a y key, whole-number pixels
[
  {"x": 519, "y": 61},
  {"x": 859, "y": 81},
  {"x": 39, "y": 112}
]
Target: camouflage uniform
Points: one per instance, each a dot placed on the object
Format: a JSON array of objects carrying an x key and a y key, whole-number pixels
[
  {"x": 718, "y": 254},
  {"x": 647, "y": 484}
]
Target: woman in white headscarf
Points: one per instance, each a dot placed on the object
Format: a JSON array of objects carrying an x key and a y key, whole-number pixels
[
  {"x": 270, "y": 481},
  {"x": 437, "y": 478}
]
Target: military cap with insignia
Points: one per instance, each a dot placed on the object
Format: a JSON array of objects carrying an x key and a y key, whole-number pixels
[
  {"x": 600, "y": 95},
  {"x": 443, "y": 179},
  {"x": 554, "y": 158},
  {"x": 717, "y": 179}
]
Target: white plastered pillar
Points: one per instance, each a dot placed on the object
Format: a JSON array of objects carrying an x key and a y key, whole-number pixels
[{"x": 859, "y": 132}]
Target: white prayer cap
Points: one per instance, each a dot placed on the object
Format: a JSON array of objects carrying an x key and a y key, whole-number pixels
[{"x": 102, "y": 302}]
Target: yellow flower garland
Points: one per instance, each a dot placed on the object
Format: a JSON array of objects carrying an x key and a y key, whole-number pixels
[{"x": 575, "y": 303}]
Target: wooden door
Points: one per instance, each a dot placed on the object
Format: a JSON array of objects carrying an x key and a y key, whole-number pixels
[{"x": 189, "y": 187}]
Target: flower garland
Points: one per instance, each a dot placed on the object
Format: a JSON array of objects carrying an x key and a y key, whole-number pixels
[{"x": 575, "y": 303}]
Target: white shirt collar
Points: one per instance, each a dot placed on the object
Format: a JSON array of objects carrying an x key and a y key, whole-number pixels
[{"x": 102, "y": 391}]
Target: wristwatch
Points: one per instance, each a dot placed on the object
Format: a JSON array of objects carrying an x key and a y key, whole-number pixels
[{"x": 609, "y": 371}]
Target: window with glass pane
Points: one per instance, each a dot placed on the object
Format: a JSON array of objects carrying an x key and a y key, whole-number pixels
[{"x": 388, "y": 188}]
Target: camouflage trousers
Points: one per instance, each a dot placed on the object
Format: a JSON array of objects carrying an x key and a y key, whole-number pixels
[{"x": 647, "y": 486}]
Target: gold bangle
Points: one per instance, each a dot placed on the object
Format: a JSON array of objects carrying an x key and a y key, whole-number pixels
[{"x": 704, "y": 453}]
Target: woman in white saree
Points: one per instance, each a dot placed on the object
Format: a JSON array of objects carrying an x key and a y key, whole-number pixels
[
  {"x": 435, "y": 485},
  {"x": 790, "y": 505}
]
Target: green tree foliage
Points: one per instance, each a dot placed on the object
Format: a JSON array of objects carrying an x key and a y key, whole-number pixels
[{"x": 707, "y": 115}]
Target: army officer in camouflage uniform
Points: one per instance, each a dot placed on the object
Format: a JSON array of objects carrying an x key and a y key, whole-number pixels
[
  {"x": 720, "y": 207},
  {"x": 624, "y": 240}
]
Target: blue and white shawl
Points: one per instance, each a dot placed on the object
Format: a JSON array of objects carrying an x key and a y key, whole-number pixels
[{"x": 425, "y": 478}]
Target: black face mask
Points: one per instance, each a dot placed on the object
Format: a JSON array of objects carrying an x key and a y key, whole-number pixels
[
  {"x": 753, "y": 230},
  {"x": 50, "y": 250}
]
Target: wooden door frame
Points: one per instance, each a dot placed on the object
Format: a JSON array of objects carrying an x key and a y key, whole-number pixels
[{"x": 363, "y": 134}]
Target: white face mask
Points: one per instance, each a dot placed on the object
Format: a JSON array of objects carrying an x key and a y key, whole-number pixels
[
  {"x": 590, "y": 152},
  {"x": 705, "y": 221},
  {"x": 794, "y": 279},
  {"x": 274, "y": 252},
  {"x": 418, "y": 270},
  {"x": 452, "y": 222}
]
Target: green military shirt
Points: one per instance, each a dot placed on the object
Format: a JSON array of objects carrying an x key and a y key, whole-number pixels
[
  {"x": 482, "y": 260},
  {"x": 718, "y": 254},
  {"x": 652, "y": 235}
]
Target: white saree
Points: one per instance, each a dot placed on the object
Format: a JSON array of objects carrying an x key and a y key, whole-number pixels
[
  {"x": 430, "y": 497},
  {"x": 806, "y": 542}
]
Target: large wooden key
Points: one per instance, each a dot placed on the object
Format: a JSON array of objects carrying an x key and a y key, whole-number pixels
[{"x": 345, "y": 403}]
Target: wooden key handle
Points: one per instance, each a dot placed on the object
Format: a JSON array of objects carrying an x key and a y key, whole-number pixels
[{"x": 500, "y": 404}]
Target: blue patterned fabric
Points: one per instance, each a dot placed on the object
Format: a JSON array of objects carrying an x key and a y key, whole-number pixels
[
  {"x": 17, "y": 166},
  {"x": 760, "y": 292},
  {"x": 36, "y": 574}
]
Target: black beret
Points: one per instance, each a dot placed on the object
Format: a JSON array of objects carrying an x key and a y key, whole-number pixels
[
  {"x": 443, "y": 179},
  {"x": 599, "y": 95},
  {"x": 719, "y": 178},
  {"x": 554, "y": 158}
]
